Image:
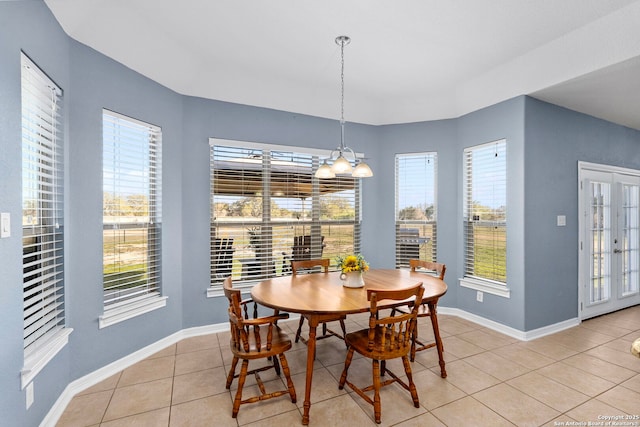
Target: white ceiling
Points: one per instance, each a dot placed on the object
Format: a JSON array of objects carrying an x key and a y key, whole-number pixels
[{"x": 408, "y": 61}]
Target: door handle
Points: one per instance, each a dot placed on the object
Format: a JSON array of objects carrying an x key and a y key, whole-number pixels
[{"x": 617, "y": 251}]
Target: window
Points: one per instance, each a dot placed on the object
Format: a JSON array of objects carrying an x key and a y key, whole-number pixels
[
  {"x": 416, "y": 214},
  {"x": 131, "y": 217},
  {"x": 268, "y": 208},
  {"x": 42, "y": 220},
  {"x": 485, "y": 214}
]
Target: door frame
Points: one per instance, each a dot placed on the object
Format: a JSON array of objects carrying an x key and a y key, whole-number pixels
[{"x": 583, "y": 167}]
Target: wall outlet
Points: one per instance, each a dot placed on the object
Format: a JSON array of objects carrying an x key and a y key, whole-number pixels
[
  {"x": 30, "y": 396},
  {"x": 479, "y": 296},
  {"x": 5, "y": 225}
]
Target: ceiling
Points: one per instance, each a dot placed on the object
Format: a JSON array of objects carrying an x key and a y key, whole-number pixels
[{"x": 408, "y": 60}]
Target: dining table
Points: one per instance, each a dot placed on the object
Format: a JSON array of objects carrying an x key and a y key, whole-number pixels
[{"x": 318, "y": 296}]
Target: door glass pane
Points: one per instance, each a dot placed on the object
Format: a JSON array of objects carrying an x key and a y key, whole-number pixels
[
  {"x": 600, "y": 235},
  {"x": 630, "y": 242}
]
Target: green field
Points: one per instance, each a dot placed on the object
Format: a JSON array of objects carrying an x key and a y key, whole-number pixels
[{"x": 490, "y": 252}]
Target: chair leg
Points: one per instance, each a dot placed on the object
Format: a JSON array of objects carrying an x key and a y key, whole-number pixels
[
  {"x": 299, "y": 331},
  {"x": 232, "y": 372},
  {"x": 412, "y": 386},
  {"x": 344, "y": 332},
  {"x": 414, "y": 341},
  {"x": 287, "y": 375},
  {"x": 276, "y": 365},
  {"x": 377, "y": 409},
  {"x": 238, "y": 399},
  {"x": 347, "y": 363}
]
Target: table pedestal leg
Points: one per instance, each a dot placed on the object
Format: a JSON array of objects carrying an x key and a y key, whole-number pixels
[
  {"x": 436, "y": 333},
  {"x": 311, "y": 351}
]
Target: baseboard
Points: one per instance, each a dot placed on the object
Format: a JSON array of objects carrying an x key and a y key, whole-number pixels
[
  {"x": 113, "y": 368},
  {"x": 507, "y": 330}
]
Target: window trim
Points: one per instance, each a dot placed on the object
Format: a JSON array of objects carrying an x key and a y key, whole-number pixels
[
  {"x": 398, "y": 223},
  {"x": 487, "y": 285},
  {"x": 121, "y": 311},
  {"x": 131, "y": 308},
  {"x": 38, "y": 359}
]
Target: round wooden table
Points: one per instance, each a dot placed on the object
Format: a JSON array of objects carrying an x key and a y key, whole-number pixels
[{"x": 319, "y": 295}]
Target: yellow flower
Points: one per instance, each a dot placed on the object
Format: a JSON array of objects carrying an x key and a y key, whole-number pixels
[{"x": 352, "y": 263}]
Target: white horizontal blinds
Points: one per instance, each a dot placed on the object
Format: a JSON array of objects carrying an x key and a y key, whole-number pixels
[
  {"x": 132, "y": 206},
  {"x": 485, "y": 211},
  {"x": 339, "y": 217},
  {"x": 262, "y": 199},
  {"x": 416, "y": 208},
  {"x": 42, "y": 207}
]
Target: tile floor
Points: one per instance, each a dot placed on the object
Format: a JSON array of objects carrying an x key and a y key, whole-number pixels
[{"x": 577, "y": 375}]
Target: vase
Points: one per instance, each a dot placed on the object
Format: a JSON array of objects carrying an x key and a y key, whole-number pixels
[{"x": 352, "y": 279}]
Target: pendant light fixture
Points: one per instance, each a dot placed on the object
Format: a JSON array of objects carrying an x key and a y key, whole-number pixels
[{"x": 341, "y": 165}]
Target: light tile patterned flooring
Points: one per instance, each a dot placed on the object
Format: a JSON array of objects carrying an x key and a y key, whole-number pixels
[{"x": 579, "y": 375}]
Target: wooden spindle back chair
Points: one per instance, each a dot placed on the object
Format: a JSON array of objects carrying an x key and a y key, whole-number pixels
[
  {"x": 428, "y": 310},
  {"x": 254, "y": 337},
  {"x": 386, "y": 338}
]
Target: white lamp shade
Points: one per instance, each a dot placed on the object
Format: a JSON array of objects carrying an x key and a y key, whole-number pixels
[
  {"x": 362, "y": 170},
  {"x": 341, "y": 166},
  {"x": 324, "y": 171}
]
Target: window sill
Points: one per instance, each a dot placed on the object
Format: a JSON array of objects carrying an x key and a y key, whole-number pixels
[
  {"x": 487, "y": 286},
  {"x": 130, "y": 310},
  {"x": 37, "y": 360}
]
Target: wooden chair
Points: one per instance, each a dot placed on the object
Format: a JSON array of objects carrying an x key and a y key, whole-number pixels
[
  {"x": 301, "y": 249},
  {"x": 296, "y": 266},
  {"x": 428, "y": 310},
  {"x": 386, "y": 338},
  {"x": 251, "y": 339},
  {"x": 222, "y": 255}
]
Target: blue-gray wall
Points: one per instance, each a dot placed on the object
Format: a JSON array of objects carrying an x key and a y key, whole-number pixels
[
  {"x": 23, "y": 25},
  {"x": 204, "y": 119},
  {"x": 545, "y": 143},
  {"x": 556, "y": 139}
]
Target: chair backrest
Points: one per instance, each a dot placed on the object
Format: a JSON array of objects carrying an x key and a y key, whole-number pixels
[
  {"x": 301, "y": 249},
  {"x": 394, "y": 332},
  {"x": 222, "y": 254},
  {"x": 439, "y": 268},
  {"x": 239, "y": 330},
  {"x": 310, "y": 263}
]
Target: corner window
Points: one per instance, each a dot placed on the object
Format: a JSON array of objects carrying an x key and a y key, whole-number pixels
[
  {"x": 485, "y": 213},
  {"x": 42, "y": 220},
  {"x": 416, "y": 209},
  {"x": 131, "y": 217}
]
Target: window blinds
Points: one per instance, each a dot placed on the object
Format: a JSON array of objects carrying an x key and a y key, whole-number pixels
[
  {"x": 416, "y": 208},
  {"x": 485, "y": 211},
  {"x": 265, "y": 197},
  {"x": 42, "y": 207},
  {"x": 132, "y": 206}
]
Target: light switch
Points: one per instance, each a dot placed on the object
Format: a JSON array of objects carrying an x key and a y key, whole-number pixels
[
  {"x": 5, "y": 225},
  {"x": 562, "y": 220}
]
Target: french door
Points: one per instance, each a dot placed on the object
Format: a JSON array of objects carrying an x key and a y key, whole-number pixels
[{"x": 609, "y": 239}]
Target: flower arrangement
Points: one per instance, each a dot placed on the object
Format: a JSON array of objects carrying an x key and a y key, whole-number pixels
[{"x": 351, "y": 263}]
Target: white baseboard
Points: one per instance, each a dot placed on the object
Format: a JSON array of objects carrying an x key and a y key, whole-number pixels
[
  {"x": 113, "y": 368},
  {"x": 507, "y": 330}
]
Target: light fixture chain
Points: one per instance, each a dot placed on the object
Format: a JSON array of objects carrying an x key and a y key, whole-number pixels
[{"x": 342, "y": 82}]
